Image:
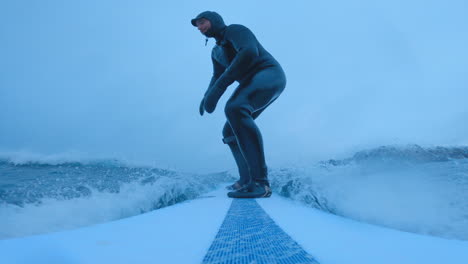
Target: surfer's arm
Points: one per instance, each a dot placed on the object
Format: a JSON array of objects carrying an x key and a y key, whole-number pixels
[
  {"x": 245, "y": 44},
  {"x": 218, "y": 69}
]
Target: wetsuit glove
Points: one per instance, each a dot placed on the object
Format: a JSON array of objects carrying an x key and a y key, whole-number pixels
[
  {"x": 215, "y": 92},
  {"x": 202, "y": 106},
  {"x": 212, "y": 98}
]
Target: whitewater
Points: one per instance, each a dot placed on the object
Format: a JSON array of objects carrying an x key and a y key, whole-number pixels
[{"x": 408, "y": 188}]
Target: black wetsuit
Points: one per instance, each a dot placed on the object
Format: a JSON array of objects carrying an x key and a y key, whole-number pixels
[{"x": 238, "y": 56}]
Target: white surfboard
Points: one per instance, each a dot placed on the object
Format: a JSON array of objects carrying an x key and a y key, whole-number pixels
[{"x": 184, "y": 233}]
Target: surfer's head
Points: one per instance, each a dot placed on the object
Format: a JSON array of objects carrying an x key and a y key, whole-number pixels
[{"x": 209, "y": 23}]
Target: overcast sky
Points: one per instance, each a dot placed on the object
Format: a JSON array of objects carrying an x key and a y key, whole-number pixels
[{"x": 123, "y": 79}]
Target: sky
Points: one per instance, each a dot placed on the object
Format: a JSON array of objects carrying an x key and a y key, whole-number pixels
[{"x": 124, "y": 79}]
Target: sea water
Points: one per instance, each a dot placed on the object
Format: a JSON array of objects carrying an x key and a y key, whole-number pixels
[{"x": 409, "y": 188}]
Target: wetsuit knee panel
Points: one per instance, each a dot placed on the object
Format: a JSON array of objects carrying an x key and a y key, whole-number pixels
[
  {"x": 230, "y": 140},
  {"x": 235, "y": 111},
  {"x": 228, "y": 134},
  {"x": 227, "y": 130}
]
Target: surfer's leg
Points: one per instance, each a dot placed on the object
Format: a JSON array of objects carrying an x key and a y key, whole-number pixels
[
  {"x": 248, "y": 101},
  {"x": 230, "y": 140}
]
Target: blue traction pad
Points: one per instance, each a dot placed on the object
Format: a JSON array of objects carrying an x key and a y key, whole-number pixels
[{"x": 249, "y": 236}]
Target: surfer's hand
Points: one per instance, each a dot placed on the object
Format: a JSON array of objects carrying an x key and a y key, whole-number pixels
[
  {"x": 216, "y": 91},
  {"x": 202, "y": 106},
  {"x": 212, "y": 98}
]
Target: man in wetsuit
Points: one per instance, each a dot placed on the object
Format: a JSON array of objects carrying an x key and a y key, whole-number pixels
[{"x": 238, "y": 56}]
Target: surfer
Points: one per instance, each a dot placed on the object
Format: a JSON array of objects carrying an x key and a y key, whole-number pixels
[{"x": 238, "y": 56}]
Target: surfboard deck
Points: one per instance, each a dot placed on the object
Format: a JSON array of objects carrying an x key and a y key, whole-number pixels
[{"x": 189, "y": 232}]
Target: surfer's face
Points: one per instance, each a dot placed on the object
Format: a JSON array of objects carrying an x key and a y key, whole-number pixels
[{"x": 203, "y": 25}]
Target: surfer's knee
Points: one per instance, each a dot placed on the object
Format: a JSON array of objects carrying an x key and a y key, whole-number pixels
[
  {"x": 227, "y": 130},
  {"x": 235, "y": 111},
  {"x": 230, "y": 110}
]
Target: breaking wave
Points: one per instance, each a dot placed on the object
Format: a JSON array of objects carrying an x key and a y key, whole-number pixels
[
  {"x": 410, "y": 188},
  {"x": 39, "y": 197}
]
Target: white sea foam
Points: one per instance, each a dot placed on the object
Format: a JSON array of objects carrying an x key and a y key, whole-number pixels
[
  {"x": 427, "y": 198},
  {"x": 54, "y": 214}
]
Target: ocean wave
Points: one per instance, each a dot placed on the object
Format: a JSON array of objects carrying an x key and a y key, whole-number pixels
[
  {"x": 410, "y": 188},
  {"x": 40, "y": 198},
  {"x": 425, "y": 196},
  {"x": 409, "y": 154},
  {"x": 31, "y": 158}
]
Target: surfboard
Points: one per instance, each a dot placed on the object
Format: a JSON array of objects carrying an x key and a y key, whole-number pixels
[{"x": 217, "y": 229}]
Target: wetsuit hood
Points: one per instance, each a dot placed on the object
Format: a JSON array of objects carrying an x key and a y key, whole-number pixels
[{"x": 217, "y": 23}]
